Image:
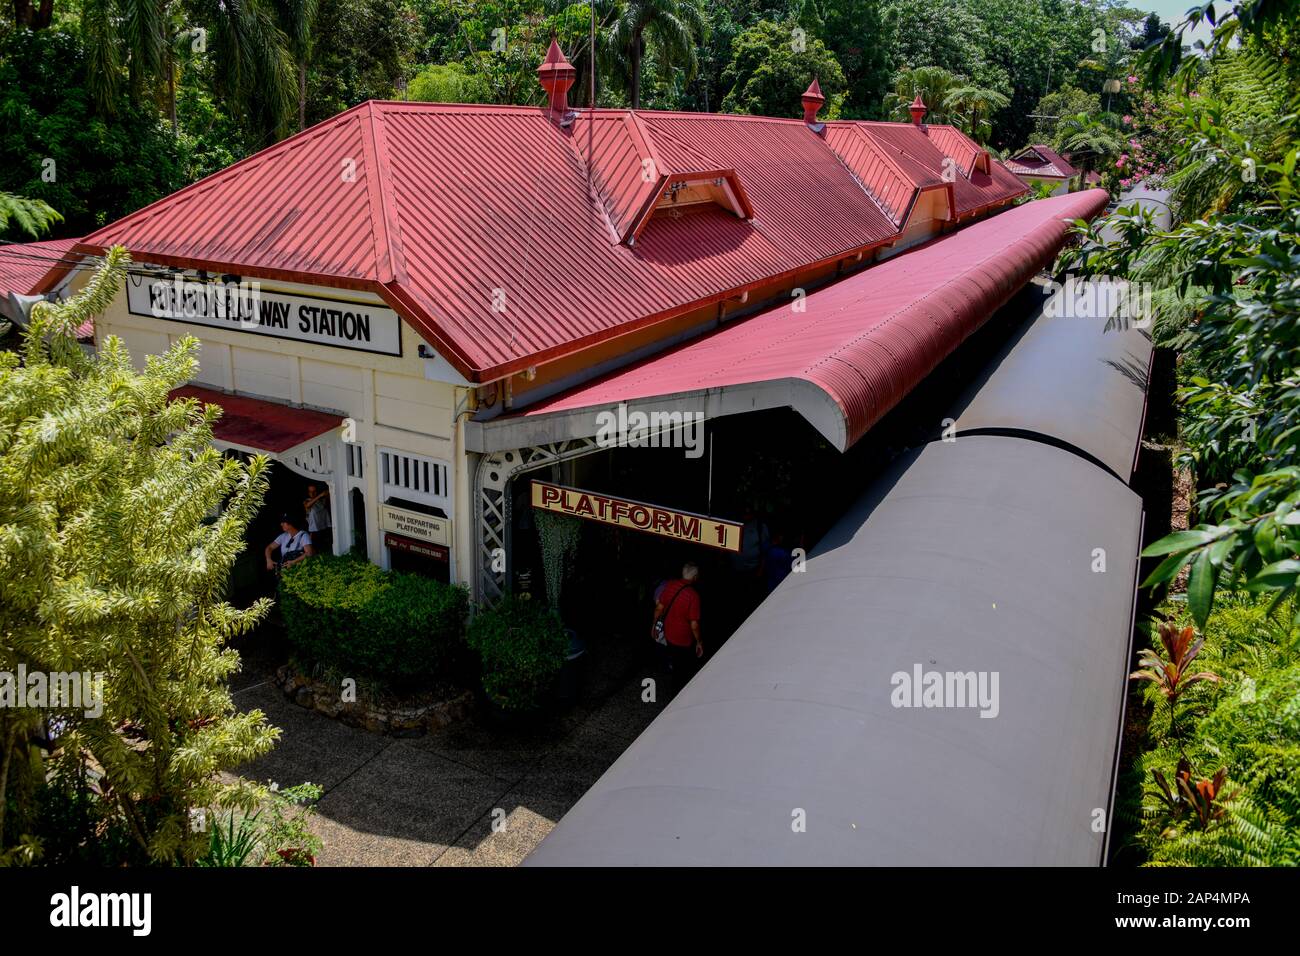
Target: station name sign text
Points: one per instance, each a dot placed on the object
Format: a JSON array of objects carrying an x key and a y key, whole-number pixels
[{"x": 247, "y": 307}]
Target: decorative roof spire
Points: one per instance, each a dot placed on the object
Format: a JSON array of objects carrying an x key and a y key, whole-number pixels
[
  {"x": 918, "y": 110},
  {"x": 557, "y": 74},
  {"x": 812, "y": 102}
]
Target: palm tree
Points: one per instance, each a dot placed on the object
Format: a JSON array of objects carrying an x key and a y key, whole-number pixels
[
  {"x": 932, "y": 83},
  {"x": 33, "y": 16},
  {"x": 971, "y": 109},
  {"x": 252, "y": 67},
  {"x": 672, "y": 27},
  {"x": 297, "y": 17},
  {"x": 32, "y": 216},
  {"x": 123, "y": 33},
  {"x": 1089, "y": 137}
]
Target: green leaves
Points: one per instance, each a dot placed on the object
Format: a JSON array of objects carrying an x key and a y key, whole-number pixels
[
  {"x": 396, "y": 628},
  {"x": 1254, "y": 545},
  {"x": 1205, "y": 549},
  {"x": 522, "y": 646},
  {"x": 1200, "y": 587},
  {"x": 1179, "y": 541},
  {"x": 767, "y": 76},
  {"x": 1224, "y": 790},
  {"x": 32, "y": 216},
  {"x": 109, "y": 566}
]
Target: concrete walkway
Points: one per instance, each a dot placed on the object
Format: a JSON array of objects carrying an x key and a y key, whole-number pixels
[{"x": 431, "y": 801}]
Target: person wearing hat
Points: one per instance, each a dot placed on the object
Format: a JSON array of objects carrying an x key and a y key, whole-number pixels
[{"x": 293, "y": 545}]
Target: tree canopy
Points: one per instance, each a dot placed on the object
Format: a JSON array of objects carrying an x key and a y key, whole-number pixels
[{"x": 132, "y": 99}]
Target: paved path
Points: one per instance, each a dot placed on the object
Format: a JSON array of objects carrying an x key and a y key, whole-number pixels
[{"x": 431, "y": 801}]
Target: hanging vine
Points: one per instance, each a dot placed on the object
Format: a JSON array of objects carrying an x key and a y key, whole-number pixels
[{"x": 559, "y": 535}]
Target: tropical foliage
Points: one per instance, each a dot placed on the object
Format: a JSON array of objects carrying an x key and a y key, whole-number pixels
[
  {"x": 949, "y": 98},
  {"x": 1220, "y": 781},
  {"x": 31, "y": 216},
  {"x": 119, "y": 102},
  {"x": 395, "y": 628},
  {"x": 1223, "y": 787},
  {"x": 521, "y": 646},
  {"x": 118, "y": 528},
  {"x": 768, "y": 75}
]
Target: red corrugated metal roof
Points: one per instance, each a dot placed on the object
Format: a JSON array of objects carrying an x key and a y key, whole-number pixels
[
  {"x": 952, "y": 142},
  {"x": 1041, "y": 161},
  {"x": 23, "y": 265},
  {"x": 891, "y": 179},
  {"x": 869, "y": 339},
  {"x": 481, "y": 224},
  {"x": 924, "y": 148},
  {"x": 256, "y": 423}
]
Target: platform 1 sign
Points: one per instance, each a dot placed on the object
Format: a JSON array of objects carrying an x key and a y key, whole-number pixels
[{"x": 637, "y": 515}]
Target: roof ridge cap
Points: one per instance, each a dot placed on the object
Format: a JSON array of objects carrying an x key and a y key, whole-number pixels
[
  {"x": 641, "y": 132},
  {"x": 389, "y": 261}
]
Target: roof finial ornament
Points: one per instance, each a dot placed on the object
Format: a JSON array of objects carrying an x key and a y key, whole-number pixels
[
  {"x": 812, "y": 102},
  {"x": 918, "y": 110},
  {"x": 557, "y": 74}
]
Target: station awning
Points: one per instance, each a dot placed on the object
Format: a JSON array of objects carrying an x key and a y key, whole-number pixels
[
  {"x": 844, "y": 358},
  {"x": 260, "y": 425}
]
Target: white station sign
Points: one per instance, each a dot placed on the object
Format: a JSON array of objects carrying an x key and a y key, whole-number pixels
[
  {"x": 415, "y": 524},
  {"x": 247, "y": 307}
]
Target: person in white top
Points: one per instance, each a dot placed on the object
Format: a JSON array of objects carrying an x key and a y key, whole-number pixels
[{"x": 293, "y": 545}]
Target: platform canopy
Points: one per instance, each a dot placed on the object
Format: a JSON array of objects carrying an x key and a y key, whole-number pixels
[{"x": 844, "y": 359}]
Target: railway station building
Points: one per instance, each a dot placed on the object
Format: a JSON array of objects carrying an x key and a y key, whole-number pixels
[{"x": 456, "y": 317}]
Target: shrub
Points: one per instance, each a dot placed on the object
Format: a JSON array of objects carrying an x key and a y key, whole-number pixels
[
  {"x": 395, "y": 628},
  {"x": 1239, "y": 753},
  {"x": 522, "y": 647},
  {"x": 281, "y": 838}
]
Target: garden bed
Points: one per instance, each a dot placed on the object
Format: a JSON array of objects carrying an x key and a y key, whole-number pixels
[{"x": 388, "y": 713}]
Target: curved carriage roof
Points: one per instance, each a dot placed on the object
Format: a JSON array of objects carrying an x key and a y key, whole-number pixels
[
  {"x": 976, "y": 555},
  {"x": 1076, "y": 375}
]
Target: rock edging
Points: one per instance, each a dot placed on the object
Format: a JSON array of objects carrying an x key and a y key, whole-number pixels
[{"x": 401, "y": 721}]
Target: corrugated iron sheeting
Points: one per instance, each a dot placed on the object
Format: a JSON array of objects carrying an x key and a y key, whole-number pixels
[
  {"x": 481, "y": 223},
  {"x": 954, "y": 143},
  {"x": 22, "y": 265},
  {"x": 303, "y": 206},
  {"x": 1051, "y": 163},
  {"x": 973, "y": 190},
  {"x": 889, "y": 183},
  {"x": 869, "y": 339}
]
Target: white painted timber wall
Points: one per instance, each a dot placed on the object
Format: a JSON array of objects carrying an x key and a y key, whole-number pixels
[{"x": 391, "y": 402}]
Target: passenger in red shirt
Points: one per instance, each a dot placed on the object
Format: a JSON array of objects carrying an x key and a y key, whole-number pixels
[{"x": 678, "y": 608}]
